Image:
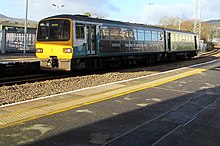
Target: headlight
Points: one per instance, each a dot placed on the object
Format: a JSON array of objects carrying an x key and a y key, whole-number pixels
[
  {"x": 67, "y": 50},
  {"x": 39, "y": 50}
]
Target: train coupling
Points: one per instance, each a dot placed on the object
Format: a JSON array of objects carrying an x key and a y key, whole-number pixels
[{"x": 53, "y": 62}]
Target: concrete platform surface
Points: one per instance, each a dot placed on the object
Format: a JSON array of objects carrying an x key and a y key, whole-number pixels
[
  {"x": 179, "y": 107},
  {"x": 17, "y": 57}
]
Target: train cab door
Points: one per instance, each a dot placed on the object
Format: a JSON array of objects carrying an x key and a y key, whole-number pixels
[{"x": 91, "y": 39}]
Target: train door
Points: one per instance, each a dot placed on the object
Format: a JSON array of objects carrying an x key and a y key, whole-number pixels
[
  {"x": 196, "y": 45},
  {"x": 169, "y": 42},
  {"x": 91, "y": 39}
]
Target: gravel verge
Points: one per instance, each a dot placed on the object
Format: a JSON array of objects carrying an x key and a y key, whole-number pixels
[{"x": 17, "y": 93}]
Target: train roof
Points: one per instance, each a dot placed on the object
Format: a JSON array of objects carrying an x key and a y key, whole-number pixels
[
  {"x": 180, "y": 31},
  {"x": 105, "y": 21}
]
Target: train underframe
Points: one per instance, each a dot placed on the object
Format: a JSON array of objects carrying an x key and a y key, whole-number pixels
[{"x": 95, "y": 63}]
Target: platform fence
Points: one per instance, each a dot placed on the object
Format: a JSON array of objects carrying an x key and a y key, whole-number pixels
[{"x": 13, "y": 42}]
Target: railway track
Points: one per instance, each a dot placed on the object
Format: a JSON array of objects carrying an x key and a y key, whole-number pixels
[
  {"x": 42, "y": 76},
  {"x": 7, "y": 81},
  {"x": 210, "y": 53}
]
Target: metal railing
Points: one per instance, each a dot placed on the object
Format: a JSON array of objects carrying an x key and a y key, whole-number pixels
[{"x": 13, "y": 42}]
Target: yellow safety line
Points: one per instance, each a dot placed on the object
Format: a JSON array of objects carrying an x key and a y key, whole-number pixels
[{"x": 142, "y": 86}]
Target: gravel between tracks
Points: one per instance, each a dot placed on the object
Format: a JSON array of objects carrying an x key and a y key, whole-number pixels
[{"x": 17, "y": 93}]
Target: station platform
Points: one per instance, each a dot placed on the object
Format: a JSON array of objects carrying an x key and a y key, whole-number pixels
[
  {"x": 12, "y": 64},
  {"x": 17, "y": 58},
  {"x": 177, "y": 107}
]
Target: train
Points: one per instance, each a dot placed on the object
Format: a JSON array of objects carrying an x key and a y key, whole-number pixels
[{"x": 73, "y": 42}]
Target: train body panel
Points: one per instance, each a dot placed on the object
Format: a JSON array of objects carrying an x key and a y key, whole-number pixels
[
  {"x": 180, "y": 41},
  {"x": 131, "y": 41},
  {"x": 55, "y": 50}
]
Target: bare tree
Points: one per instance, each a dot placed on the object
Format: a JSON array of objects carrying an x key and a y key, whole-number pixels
[
  {"x": 187, "y": 25},
  {"x": 169, "y": 22}
]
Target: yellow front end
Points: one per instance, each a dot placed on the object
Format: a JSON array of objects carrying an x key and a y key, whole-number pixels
[{"x": 55, "y": 54}]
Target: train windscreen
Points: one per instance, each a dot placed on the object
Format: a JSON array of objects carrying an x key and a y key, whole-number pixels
[{"x": 54, "y": 30}]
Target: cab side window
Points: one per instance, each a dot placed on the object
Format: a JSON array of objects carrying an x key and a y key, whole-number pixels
[
  {"x": 104, "y": 32},
  {"x": 80, "y": 33}
]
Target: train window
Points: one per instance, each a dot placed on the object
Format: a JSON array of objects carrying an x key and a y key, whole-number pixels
[
  {"x": 133, "y": 34},
  {"x": 80, "y": 33},
  {"x": 148, "y": 35},
  {"x": 66, "y": 30},
  {"x": 140, "y": 35},
  {"x": 180, "y": 38},
  {"x": 187, "y": 38},
  {"x": 43, "y": 31},
  {"x": 173, "y": 37},
  {"x": 124, "y": 34},
  {"x": 54, "y": 30},
  {"x": 184, "y": 38},
  {"x": 160, "y": 36},
  {"x": 115, "y": 34},
  {"x": 177, "y": 37},
  {"x": 190, "y": 38},
  {"x": 154, "y": 36},
  {"x": 104, "y": 31}
]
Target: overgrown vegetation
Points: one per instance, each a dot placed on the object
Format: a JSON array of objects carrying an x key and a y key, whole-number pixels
[{"x": 210, "y": 46}]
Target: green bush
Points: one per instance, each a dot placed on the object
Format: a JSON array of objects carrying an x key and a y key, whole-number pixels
[{"x": 210, "y": 46}]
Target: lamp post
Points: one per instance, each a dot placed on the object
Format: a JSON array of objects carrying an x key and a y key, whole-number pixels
[
  {"x": 180, "y": 21},
  {"x": 148, "y": 13},
  {"x": 25, "y": 27},
  {"x": 58, "y": 7}
]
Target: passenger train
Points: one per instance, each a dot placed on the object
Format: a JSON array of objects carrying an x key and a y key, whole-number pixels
[{"x": 69, "y": 42}]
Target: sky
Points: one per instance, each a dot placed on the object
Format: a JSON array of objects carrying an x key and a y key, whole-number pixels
[{"x": 136, "y": 11}]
